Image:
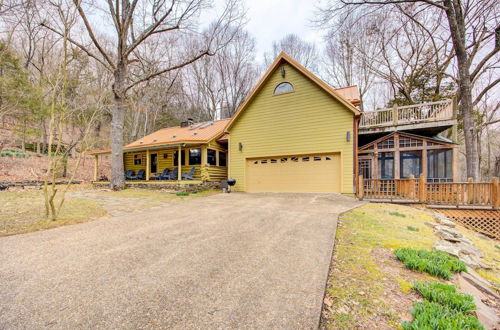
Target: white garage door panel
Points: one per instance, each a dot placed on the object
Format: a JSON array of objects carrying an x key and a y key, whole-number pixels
[{"x": 306, "y": 173}]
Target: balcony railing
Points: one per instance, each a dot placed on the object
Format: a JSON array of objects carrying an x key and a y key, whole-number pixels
[{"x": 410, "y": 114}]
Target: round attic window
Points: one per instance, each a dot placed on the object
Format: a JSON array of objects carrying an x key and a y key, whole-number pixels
[{"x": 284, "y": 87}]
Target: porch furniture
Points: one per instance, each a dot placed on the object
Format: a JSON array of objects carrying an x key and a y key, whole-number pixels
[
  {"x": 163, "y": 175},
  {"x": 189, "y": 176},
  {"x": 173, "y": 174},
  {"x": 129, "y": 174},
  {"x": 140, "y": 175}
]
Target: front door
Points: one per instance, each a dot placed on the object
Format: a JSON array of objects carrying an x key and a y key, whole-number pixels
[{"x": 154, "y": 163}]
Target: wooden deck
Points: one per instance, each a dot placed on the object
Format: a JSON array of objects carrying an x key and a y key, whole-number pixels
[{"x": 413, "y": 117}]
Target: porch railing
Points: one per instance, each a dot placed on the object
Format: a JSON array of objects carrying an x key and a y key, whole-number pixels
[
  {"x": 410, "y": 114},
  {"x": 470, "y": 193}
]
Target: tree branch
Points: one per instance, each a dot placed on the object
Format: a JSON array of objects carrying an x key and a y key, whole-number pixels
[
  {"x": 485, "y": 90},
  {"x": 79, "y": 45},
  {"x": 160, "y": 72},
  {"x": 91, "y": 33}
]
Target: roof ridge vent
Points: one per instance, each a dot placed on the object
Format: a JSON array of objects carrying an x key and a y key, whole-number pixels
[{"x": 210, "y": 123}]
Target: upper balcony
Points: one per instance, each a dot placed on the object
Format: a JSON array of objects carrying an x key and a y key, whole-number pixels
[{"x": 425, "y": 118}]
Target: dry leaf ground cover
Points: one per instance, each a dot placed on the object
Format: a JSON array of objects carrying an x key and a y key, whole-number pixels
[
  {"x": 22, "y": 210},
  {"x": 368, "y": 288}
]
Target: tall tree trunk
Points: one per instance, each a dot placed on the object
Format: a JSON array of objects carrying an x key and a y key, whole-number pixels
[
  {"x": 117, "y": 123},
  {"x": 456, "y": 22}
]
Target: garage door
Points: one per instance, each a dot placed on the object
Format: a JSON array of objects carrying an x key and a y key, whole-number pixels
[{"x": 306, "y": 173}]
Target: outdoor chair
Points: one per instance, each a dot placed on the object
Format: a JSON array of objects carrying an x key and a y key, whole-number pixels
[
  {"x": 140, "y": 175},
  {"x": 189, "y": 176},
  {"x": 163, "y": 175},
  {"x": 129, "y": 174},
  {"x": 173, "y": 174}
]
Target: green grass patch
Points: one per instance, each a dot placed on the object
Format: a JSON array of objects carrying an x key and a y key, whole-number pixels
[
  {"x": 397, "y": 214},
  {"x": 446, "y": 295},
  {"x": 182, "y": 193},
  {"x": 431, "y": 315},
  {"x": 436, "y": 263},
  {"x": 410, "y": 228}
]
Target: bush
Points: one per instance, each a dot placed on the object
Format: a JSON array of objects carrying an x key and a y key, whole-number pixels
[
  {"x": 397, "y": 214},
  {"x": 410, "y": 228},
  {"x": 431, "y": 315},
  {"x": 436, "y": 263},
  {"x": 182, "y": 193},
  {"x": 445, "y": 295}
]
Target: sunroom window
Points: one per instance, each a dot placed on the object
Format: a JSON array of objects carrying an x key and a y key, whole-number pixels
[
  {"x": 211, "y": 157},
  {"x": 194, "y": 156}
]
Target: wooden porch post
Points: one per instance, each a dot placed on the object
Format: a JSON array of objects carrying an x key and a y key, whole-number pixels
[
  {"x": 179, "y": 173},
  {"x": 495, "y": 200},
  {"x": 148, "y": 165},
  {"x": 96, "y": 166},
  {"x": 397, "y": 158},
  {"x": 361, "y": 191},
  {"x": 423, "y": 170},
  {"x": 411, "y": 187},
  {"x": 422, "y": 189}
]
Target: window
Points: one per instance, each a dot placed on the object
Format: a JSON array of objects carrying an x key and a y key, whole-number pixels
[
  {"x": 264, "y": 161},
  {"x": 222, "y": 158},
  {"x": 274, "y": 161},
  {"x": 386, "y": 165},
  {"x": 386, "y": 144},
  {"x": 194, "y": 156},
  {"x": 165, "y": 156},
  {"x": 211, "y": 157},
  {"x": 439, "y": 164},
  {"x": 138, "y": 159},
  {"x": 176, "y": 157},
  {"x": 410, "y": 164},
  {"x": 406, "y": 142},
  {"x": 284, "y": 160},
  {"x": 305, "y": 159},
  {"x": 284, "y": 87},
  {"x": 294, "y": 159},
  {"x": 327, "y": 158},
  {"x": 317, "y": 158}
]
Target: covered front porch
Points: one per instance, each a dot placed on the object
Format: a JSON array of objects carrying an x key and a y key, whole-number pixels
[{"x": 186, "y": 163}]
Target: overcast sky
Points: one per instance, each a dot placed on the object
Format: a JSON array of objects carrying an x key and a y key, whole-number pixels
[{"x": 270, "y": 20}]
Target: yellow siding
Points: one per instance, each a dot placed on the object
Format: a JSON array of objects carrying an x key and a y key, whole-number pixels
[
  {"x": 129, "y": 161},
  {"x": 306, "y": 121},
  {"x": 216, "y": 173}
]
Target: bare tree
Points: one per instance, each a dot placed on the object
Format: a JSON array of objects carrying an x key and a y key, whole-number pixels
[
  {"x": 134, "y": 22},
  {"x": 300, "y": 50},
  {"x": 349, "y": 50},
  {"x": 471, "y": 25}
]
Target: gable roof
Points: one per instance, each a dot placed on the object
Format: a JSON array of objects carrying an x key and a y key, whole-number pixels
[
  {"x": 196, "y": 133},
  {"x": 282, "y": 57},
  {"x": 437, "y": 138}
]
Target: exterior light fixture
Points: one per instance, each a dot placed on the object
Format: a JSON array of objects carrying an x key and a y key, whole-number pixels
[
  {"x": 348, "y": 136},
  {"x": 283, "y": 72},
  {"x": 240, "y": 146}
]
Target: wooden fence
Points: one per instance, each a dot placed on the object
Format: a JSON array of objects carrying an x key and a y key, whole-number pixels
[{"x": 470, "y": 193}]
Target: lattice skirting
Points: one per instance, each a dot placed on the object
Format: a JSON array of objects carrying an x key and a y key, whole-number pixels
[{"x": 483, "y": 221}]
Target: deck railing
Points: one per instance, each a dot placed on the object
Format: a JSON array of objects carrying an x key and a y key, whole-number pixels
[
  {"x": 410, "y": 114},
  {"x": 470, "y": 193}
]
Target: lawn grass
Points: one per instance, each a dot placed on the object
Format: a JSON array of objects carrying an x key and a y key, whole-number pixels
[
  {"x": 23, "y": 211},
  {"x": 359, "y": 278},
  {"x": 446, "y": 295},
  {"x": 152, "y": 194},
  {"x": 436, "y": 263}
]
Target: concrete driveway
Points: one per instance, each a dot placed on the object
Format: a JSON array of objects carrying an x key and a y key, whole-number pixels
[{"x": 223, "y": 261}]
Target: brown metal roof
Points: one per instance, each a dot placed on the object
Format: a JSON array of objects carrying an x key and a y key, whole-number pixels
[
  {"x": 197, "y": 133},
  {"x": 350, "y": 93}
]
